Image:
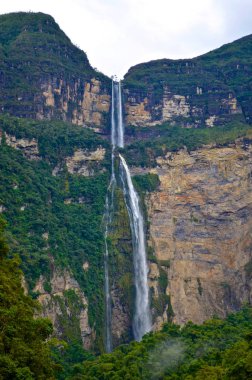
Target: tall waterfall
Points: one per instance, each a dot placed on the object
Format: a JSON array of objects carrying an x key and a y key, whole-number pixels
[{"x": 142, "y": 319}]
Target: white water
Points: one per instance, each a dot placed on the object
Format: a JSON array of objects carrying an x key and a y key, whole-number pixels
[
  {"x": 120, "y": 127},
  {"x": 142, "y": 319}
]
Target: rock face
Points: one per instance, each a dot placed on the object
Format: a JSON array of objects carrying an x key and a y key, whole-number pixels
[
  {"x": 205, "y": 91},
  {"x": 85, "y": 162},
  {"x": 201, "y": 229},
  {"x": 81, "y": 102},
  {"x": 66, "y": 306},
  {"x": 189, "y": 107},
  {"x": 44, "y": 76},
  {"x": 29, "y": 147}
]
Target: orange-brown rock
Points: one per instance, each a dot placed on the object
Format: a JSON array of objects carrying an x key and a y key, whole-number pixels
[
  {"x": 201, "y": 222},
  {"x": 54, "y": 304},
  {"x": 81, "y": 103}
]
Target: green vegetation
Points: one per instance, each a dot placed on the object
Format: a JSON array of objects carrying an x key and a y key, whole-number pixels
[
  {"x": 147, "y": 182},
  {"x": 43, "y": 228},
  {"x": 172, "y": 138},
  {"x": 217, "y": 68},
  {"x": 24, "y": 349},
  {"x": 56, "y": 139},
  {"x": 207, "y": 82},
  {"x": 217, "y": 350},
  {"x": 34, "y": 51},
  {"x": 120, "y": 265}
]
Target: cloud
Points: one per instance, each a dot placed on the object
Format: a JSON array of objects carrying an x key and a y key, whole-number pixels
[
  {"x": 117, "y": 34},
  {"x": 165, "y": 356}
]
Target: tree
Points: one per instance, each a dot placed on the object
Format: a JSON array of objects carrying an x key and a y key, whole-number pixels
[{"x": 24, "y": 350}]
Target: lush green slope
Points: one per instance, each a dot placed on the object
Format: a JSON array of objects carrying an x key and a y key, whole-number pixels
[
  {"x": 34, "y": 51},
  {"x": 167, "y": 138},
  {"x": 216, "y": 350},
  {"x": 229, "y": 55},
  {"x": 24, "y": 349},
  {"x": 224, "y": 71},
  {"x": 34, "y": 204}
]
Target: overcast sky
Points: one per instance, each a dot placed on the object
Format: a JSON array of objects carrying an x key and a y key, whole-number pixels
[{"x": 117, "y": 34}]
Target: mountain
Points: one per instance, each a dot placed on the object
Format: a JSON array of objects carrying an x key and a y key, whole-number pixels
[
  {"x": 209, "y": 90},
  {"x": 44, "y": 76},
  {"x": 189, "y": 147}
]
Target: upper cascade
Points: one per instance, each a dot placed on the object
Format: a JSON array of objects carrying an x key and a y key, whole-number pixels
[{"x": 117, "y": 127}]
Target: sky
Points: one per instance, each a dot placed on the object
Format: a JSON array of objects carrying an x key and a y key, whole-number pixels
[{"x": 118, "y": 34}]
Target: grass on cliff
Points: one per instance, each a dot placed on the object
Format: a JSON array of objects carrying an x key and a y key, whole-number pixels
[
  {"x": 34, "y": 50},
  {"x": 24, "y": 347},
  {"x": 34, "y": 203},
  {"x": 56, "y": 139},
  {"x": 228, "y": 65},
  {"x": 170, "y": 139}
]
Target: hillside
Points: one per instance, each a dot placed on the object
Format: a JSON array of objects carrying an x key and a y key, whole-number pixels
[
  {"x": 189, "y": 150},
  {"x": 216, "y": 350},
  {"x": 44, "y": 76},
  {"x": 53, "y": 180},
  {"x": 205, "y": 91}
]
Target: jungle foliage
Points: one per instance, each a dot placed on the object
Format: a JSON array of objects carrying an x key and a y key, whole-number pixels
[
  {"x": 25, "y": 352},
  {"x": 55, "y": 221},
  {"x": 216, "y": 350},
  {"x": 172, "y": 138}
]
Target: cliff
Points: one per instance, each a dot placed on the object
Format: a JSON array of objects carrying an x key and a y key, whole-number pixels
[
  {"x": 189, "y": 147},
  {"x": 54, "y": 178},
  {"x": 44, "y": 76},
  {"x": 201, "y": 92},
  {"x": 200, "y": 231}
]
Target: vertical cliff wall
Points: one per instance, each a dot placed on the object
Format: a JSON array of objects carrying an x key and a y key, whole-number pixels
[
  {"x": 200, "y": 231},
  {"x": 44, "y": 76},
  {"x": 201, "y": 92}
]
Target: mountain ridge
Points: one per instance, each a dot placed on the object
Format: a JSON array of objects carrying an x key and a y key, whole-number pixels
[
  {"x": 194, "y": 153},
  {"x": 249, "y": 36}
]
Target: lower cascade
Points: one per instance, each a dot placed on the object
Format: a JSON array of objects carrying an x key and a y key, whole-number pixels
[
  {"x": 141, "y": 320},
  {"x": 142, "y": 315}
]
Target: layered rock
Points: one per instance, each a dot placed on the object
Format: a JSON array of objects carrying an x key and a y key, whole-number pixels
[
  {"x": 189, "y": 107},
  {"x": 29, "y": 147},
  {"x": 205, "y": 91},
  {"x": 201, "y": 231},
  {"x": 81, "y": 102},
  {"x": 44, "y": 76},
  {"x": 85, "y": 162},
  {"x": 64, "y": 303}
]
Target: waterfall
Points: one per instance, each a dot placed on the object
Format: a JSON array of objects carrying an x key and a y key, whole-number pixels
[
  {"x": 120, "y": 118},
  {"x": 141, "y": 319}
]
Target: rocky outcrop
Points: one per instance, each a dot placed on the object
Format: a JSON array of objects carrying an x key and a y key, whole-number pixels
[
  {"x": 201, "y": 231},
  {"x": 64, "y": 303},
  {"x": 121, "y": 271},
  {"x": 83, "y": 103},
  {"x": 44, "y": 76},
  {"x": 29, "y": 147},
  {"x": 205, "y": 91},
  {"x": 185, "y": 108},
  {"x": 85, "y": 162},
  {"x": 120, "y": 323}
]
